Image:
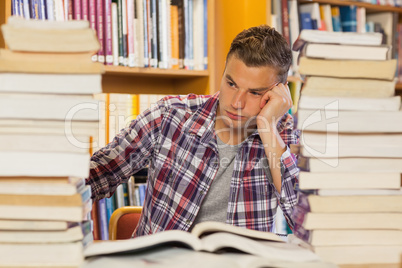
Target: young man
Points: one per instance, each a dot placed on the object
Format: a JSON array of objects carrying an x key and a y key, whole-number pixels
[{"x": 223, "y": 157}]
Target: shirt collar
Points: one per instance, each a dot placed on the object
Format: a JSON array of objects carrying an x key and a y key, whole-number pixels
[{"x": 202, "y": 121}]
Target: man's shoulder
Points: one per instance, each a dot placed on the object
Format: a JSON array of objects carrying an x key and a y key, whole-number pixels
[{"x": 189, "y": 103}]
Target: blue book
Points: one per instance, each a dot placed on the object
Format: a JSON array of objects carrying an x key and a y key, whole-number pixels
[
  {"x": 205, "y": 34},
  {"x": 41, "y": 9},
  {"x": 141, "y": 191},
  {"x": 348, "y": 16},
  {"x": 109, "y": 209},
  {"x": 102, "y": 218},
  {"x": 305, "y": 21},
  {"x": 35, "y": 9}
]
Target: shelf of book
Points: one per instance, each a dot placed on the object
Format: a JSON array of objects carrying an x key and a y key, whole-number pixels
[
  {"x": 369, "y": 7},
  {"x": 398, "y": 86},
  {"x": 120, "y": 79}
]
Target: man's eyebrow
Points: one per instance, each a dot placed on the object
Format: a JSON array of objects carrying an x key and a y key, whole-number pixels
[{"x": 230, "y": 78}]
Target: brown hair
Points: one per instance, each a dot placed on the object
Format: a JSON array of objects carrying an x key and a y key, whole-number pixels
[{"x": 262, "y": 46}]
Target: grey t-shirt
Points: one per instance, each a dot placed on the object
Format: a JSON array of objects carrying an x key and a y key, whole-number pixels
[{"x": 215, "y": 204}]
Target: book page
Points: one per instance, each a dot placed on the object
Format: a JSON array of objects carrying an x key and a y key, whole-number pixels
[
  {"x": 166, "y": 238},
  {"x": 267, "y": 249},
  {"x": 205, "y": 228}
]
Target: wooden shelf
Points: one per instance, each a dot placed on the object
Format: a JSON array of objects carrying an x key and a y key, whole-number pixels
[
  {"x": 154, "y": 72},
  {"x": 369, "y": 7},
  {"x": 398, "y": 86}
]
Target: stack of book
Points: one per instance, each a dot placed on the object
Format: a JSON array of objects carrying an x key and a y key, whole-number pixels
[
  {"x": 47, "y": 115},
  {"x": 350, "y": 204}
]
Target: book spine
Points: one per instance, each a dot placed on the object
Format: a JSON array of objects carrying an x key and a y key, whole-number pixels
[
  {"x": 191, "y": 34},
  {"x": 50, "y": 10},
  {"x": 125, "y": 192},
  {"x": 69, "y": 9},
  {"x": 100, "y": 30},
  {"x": 186, "y": 26},
  {"x": 92, "y": 21},
  {"x": 26, "y": 11},
  {"x": 147, "y": 33},
  {"x": 205, "y": 60},
  {"x": 115, "y": 34},
  {"x": 85, "y": 10},
  {"x": 285, "y": 20},
  {"x": 77, "y": 10},
  {"x": 108, "y": 32},
  {"x": 95, "y": 221},
  {"x": 336, "y": 20},
  {"x": 154, "y": 35},
  {"x": 141, "y": 191},
  {"x": 124, "y": 28},
  {"x": 174, "y": 24},
  {"x": 59, "y": 10},
  {"x": 181, "y": 22},
  {"x": 130, "y": 32},
  {"x": 34, "y": 9},
  {"x": 137, "y": 35},
  {"x": 104, "y": 232},
  {"x": 42, "y": 13},
  {"x": 119, "y": 196},
  {"x": 163, "y": 39},
  {"x": 14, "y": 8},
  {"x": 140, "y": 32},
  {"x": 348, "y": 16},
  {"x": 109, "y": 209},
  {"x": 120, "y": 30}
]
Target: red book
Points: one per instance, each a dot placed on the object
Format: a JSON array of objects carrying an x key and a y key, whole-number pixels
[
  {"x": 95, "y": 222},
  {"x": 77, "y": 10},
  {"x": 85, "y": 9},
  {"x": 100, "y": 30},
  {"x": 108, "y": 47},
  {"x": 285, "y": 20}
]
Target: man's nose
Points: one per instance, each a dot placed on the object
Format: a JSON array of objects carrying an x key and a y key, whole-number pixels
[{"x": 239, "y": 99}]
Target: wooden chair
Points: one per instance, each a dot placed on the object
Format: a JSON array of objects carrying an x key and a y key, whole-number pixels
[{"x": 123, "y": 222}]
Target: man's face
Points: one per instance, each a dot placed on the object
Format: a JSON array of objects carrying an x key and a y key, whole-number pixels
[{"x": 241, "y": 91}]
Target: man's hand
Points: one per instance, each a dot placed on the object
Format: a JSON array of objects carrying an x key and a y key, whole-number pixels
[{"x": 274, "y": 104}]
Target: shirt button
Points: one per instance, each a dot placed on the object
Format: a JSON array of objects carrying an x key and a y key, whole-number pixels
[
  {"x": 282, "y": 200},
  {"x": 188, "y": 222},
  {"x": 202, "y": 192}
]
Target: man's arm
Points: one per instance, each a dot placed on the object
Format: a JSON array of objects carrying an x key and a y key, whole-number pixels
[{"x": 129, "y": 152}]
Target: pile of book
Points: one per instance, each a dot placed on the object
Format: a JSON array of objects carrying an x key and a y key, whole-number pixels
[
  {"x": 47, "y": 116},
  {"x": 350, "y": 204}
]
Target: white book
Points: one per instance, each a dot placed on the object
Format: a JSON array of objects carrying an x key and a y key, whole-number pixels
[
  {"x": 72, "y": 234},
  {"x": 350, "y": 103},
  {"x": 48, "y": 107},
  {"x": 44, "y": 143},
  {"x": 342, "y": 181},
  {"x": 52, "y": 213},
  {"x": 41, "y": 255},
  {"x": 351, "y": 164},
  {"x": 23, "y": 187},
  {"x": 51, "y": 83},
  {"x": 332, "y": 120},
  {"x": 140, "y": 33},
  {"x": 32, "y": 225},
  {"x": 198, "y": 34},
  {"x": 333, "y": 144},
  {"x": 44, "y": 164},
  {"x": 49, "y": 127}
]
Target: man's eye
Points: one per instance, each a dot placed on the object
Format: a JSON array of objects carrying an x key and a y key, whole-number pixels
[
  {"x": 230, "y": 84},
  {"x": 256, "y": 93}
]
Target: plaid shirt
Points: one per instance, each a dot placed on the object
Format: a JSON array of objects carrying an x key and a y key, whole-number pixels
[{"x": 176, "y": 138}]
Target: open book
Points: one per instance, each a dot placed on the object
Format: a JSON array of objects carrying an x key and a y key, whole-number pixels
[{"x": 209, "y": 237}]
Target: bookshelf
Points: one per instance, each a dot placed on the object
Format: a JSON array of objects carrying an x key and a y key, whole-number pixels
[{"x": 119, "y": 79}]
